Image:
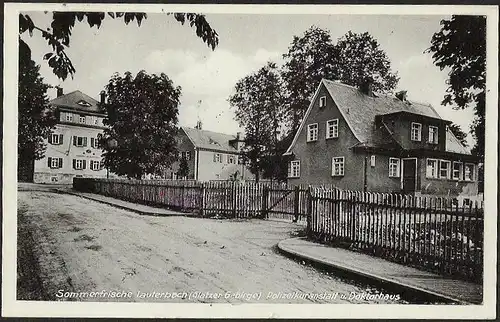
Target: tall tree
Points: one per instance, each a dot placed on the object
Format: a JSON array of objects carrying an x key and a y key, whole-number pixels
[
  {"x": 142, "y": 114},
  {"x": 35, "y": 121},
  {"x": 58, "y": 35},
  {"x": 359, "y": 56},
  {"x": 460, "y": 46},
  {"x": 259, "y": 109},
  {"x": 309, "y": 58}
]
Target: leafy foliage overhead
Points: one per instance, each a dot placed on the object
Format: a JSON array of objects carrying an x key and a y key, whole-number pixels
[
  {"x": 58, "y": 35},
  {"x": 460, "y": 46},
  {"x": 142, "y": 118}
]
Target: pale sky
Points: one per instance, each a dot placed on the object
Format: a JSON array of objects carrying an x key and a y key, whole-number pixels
[{"x": 246, "y": 42}]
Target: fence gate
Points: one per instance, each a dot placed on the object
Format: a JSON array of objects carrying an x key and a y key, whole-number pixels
[{"x": 282, "y": 202}]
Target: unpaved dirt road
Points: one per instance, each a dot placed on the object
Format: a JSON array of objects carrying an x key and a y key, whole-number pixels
[{"x": 85, "y": 246}]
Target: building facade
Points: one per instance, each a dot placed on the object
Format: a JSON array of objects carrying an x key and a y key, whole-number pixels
[
  {"x": 72, "y": 147},
  {"x": 209, "y": 156},
  {"x": 355, "y": 140}
]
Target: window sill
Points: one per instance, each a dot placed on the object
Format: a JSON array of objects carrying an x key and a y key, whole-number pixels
[
  {"x": 310, "y": 141},
  {"x": 338, "y": 175},
  {"x": 333, "y": 137},
  {"x": 395, "y": 177}
]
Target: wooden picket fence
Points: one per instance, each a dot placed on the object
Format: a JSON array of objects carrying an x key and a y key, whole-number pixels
[
  {"x": 432, "y": 233},
  {"x": 215, "y": 198}
]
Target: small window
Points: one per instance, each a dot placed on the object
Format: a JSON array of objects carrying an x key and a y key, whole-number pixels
[
  {"x": 337, "y": 166},
  {"x": 54, "y": 138},
  {"x": 432, "y": 169},
  {"x": 322, "y": 101},
  {"x": 84, "y": 103},
  {"x": 69, "y": 117},
  {"x": 416, "y": 131},
  {"x": 469, "y": 172},
  {"x": 294, "y": 169},
  {"x": 372, "y": 161},
  {"x": 79, "y": 141},
  {"x": 457, "y": 171},
  {"x": 231, "y": 159},
  {"x": 54, "y": 163},
  {"x": 312, "y": 132},
  {"x": 444, "y": 169},
  {"x": 79, "y": 164},
  {"x": 394, "y": 167},
  {"x": 82, "y": 119},
  {"x": 95, "y": 165},
  {"x": 433, "y": 135},
  {"x": 332, "y": 129},
  {"x": 241, "y": 160},
  {"x": 218, "y": 158}
]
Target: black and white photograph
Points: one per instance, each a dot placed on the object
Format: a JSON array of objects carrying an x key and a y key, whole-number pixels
[{"x": 250, "y": 161}]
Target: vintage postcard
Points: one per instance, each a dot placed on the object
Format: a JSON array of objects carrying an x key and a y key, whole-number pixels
[{"x": 284, "y": 161}]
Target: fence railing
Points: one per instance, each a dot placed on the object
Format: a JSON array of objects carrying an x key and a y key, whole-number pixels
[
  {"x": 433, "y": 233},
  {"x": 222, "y": 198}
]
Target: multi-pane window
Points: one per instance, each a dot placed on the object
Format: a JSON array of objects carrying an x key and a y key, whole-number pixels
[
  {"x": 433, "y": 134},
  {"x": 82, "y": 119},
  {"x": 444, "y": 169},
  {"x": 312, "y": 132},
  {"x": 185, "y": 155},
  {"x": 294, "y": 169},
  {"x": 457, "y": 171},
  {"x": 79, "y": 164},
  {"x": 322, "y": 101},
  {"x": 69, "y": 117},
  {"x": 56, "y": 139},
  {"x": 79, "y": 141},
  {"x": 55, "y": 163},
  {"x": 416, "y": 131},
  {"x": 337, "y": 166},
  {"x": 218, "y": 157},
  {"x": 394, "y": 167},
  {"x": 95, "y": 165},
  {"x": 231, "y": 159},
  {"x": 432, "y": 168},
  {"x": 469, "y": 172},
  {"x": 332, "y": 129}
]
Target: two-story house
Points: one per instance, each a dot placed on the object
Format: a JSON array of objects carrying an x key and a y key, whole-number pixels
[
  {"x": 356, "y": 140},
  {"x": 209, "y": 155},
  {"x": 72, "y": 147}
]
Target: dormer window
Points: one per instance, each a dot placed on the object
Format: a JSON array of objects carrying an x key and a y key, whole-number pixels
[
  {"x": 83, "y": 103},
  {"x": 416, "y": 131},
  {"x": 212, "y": 141},
  {"x": 322, "y": 101},
  {"x": 433, "y": 135}
]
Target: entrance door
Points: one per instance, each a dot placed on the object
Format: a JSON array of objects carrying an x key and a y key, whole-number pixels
[{"x": 409, "y": 175}]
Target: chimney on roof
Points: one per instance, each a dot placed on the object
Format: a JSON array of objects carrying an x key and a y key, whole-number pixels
[
  {"x": 198, "y": 125},
  {"x": 102, "y": 95},
  {"x": 401, "y": 95},
  {"x": 238, "y": 135},
  {"x": 60, "y": 91},
  {"x": 366, "y": 86}
]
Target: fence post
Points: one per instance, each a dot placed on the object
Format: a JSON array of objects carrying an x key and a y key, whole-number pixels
[
  {"x": 202, "y": 197},
  {"x": 233, "y": 197},
  {"x": 265, "y": 196},
  {"x": 296, "y": 204},
  {"x": 309, "y": 210}
]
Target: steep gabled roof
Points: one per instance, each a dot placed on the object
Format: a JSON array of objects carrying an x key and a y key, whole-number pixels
[
  {"x": 454, "y": 145},
  {"x": 359, "y": 111},
  {"x": 210, "y": 140},
  {"x": 78, "y": 101}
]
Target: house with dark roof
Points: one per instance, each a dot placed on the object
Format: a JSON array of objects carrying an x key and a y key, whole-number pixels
[
  {"x": 209, "y": 155},
  {"x": 72, "y": 147},
  {"x": 357, "y": 140}
]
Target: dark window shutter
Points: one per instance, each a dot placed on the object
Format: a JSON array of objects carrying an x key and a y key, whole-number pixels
[
  {"x": 50, "y": 138},
  {"x": 60, "y": 163},
  {"x": 92, "y": 142},
  {"x": 74, "y": 141},
  {"x": 49, "y": 162},
  {"x": 85, "y": 141},
  {"x": 74, "y": 163},
  {"x": 84, "y": 164},
  {"x": 60, "y": 139}
]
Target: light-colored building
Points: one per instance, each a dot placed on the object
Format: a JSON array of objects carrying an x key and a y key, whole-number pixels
[
  {"x": 209, "y": 155},
  {"x": 72, "y": 148}
]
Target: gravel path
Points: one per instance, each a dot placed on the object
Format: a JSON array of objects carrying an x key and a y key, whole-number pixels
[{"x": 86, "y": 246}]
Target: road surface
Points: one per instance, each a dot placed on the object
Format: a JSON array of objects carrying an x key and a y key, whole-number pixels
[{"x": 73, "y": 246}]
